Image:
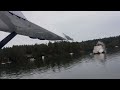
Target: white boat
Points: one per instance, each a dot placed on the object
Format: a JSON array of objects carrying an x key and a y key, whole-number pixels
[
  {"x": 99, "y": 48},
  {"x": 3, "y": 63},
  {"x": 32, "y": 59}
]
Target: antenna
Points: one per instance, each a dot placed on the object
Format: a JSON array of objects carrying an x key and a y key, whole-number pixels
[{"x": 68, "y": 37}]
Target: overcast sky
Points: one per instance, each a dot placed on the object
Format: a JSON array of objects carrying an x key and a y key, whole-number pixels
[{"x": 80, "y": 25}]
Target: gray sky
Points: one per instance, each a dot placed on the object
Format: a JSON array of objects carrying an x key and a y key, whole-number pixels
[{"x": 80, "y": 25}]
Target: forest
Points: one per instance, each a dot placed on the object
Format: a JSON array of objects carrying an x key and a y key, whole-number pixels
[{"x": 58, "y": 49}]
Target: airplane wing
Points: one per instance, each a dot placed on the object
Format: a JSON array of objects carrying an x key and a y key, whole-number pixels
[{"x": 15, "y": 21}]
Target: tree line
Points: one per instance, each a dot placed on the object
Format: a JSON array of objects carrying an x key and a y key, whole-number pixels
[{"x": 59, "y": 48}]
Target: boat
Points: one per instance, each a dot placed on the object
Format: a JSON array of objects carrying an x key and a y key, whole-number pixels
[{"x": 99, "y": 48}]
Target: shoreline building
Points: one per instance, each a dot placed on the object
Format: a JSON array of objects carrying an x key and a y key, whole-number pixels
[{"x": 99, "y": 48}]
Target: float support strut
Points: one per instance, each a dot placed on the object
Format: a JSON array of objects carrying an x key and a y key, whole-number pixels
[{"x": 7, "y": 39}]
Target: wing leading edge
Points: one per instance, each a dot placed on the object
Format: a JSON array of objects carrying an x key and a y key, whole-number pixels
[{"x": 15, "y": 22}]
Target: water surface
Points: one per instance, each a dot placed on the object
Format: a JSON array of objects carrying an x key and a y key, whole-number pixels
[{"x": 85, "y": 67}]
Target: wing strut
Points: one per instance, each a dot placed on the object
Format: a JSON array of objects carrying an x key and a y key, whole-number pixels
[{"x": 7, "y": 39}]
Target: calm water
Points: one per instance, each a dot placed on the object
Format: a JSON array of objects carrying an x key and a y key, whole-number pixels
[{"x": 85, "y": 67}]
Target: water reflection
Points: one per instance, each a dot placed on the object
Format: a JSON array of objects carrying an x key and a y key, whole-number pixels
[
  {"x": 54, "y": 63},
  {"x": 100, "y": 58},
  {"x": 77, "y": 65}
]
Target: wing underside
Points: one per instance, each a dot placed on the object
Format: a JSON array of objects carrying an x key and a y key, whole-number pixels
[{"x": 24, "y": 27}]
